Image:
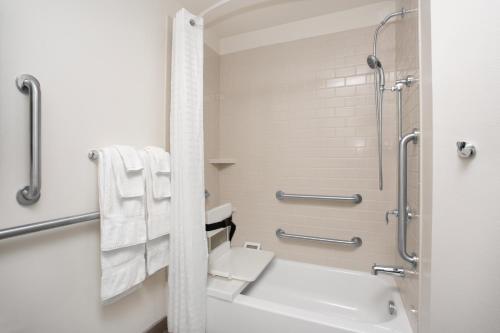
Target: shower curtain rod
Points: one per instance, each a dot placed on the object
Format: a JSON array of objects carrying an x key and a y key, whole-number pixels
[{"x": 213, "y": 7}]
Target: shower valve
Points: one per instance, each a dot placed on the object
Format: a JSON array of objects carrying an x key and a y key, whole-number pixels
[{"x": 395, "y": 212}]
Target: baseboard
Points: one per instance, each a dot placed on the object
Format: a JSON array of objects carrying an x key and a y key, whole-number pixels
[{"x": 159, "y": 327}]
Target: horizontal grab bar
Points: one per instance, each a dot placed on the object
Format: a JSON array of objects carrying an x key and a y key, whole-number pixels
[
  {"x": 49, "y": 224},
  {"x": 355, "y": 198},
  {"x": 355, "y": 241}
]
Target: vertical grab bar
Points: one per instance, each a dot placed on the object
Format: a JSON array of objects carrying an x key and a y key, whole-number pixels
[
  {"x": 403, "y": 197},
  {"x": 29, "y": 85}
]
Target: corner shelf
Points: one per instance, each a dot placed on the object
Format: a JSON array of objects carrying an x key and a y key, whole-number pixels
[{"x": 222, "y": 161}]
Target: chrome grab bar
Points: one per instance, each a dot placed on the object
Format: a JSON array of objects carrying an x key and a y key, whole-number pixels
[
  {"x": 355, "y": 198},
  {"x": 355, "y": 241},
  {"x": 403, "y": 211},
  {"x": 49, "y": 224},
  {"x": 29, "y": 85}
]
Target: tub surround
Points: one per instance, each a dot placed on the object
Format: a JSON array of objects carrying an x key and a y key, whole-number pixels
[{"x": 299, "y": 117}]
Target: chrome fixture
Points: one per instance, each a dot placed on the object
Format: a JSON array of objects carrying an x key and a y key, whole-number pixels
[
  {"x": 49, "y": 224},
  {"x": 93, "y": 155},
  {"x": 213, "y": 7},
  {"x": 29, "y": 85},
  {"x": 355, "y": 198},
  {"x": 397, "y": 271},
  {"x": 465, "y": 149},
  {"x": 375, "y": 63},
  {"x": 391, "y": 306},
  {"x": 355, "y": 241},
  {"x": 398, "y": 88},
  {"x": 395, "y": 212},
  {"x": 403, "y": 210}
]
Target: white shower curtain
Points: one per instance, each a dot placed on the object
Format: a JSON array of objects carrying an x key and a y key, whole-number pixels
[{"x": 187, "y": 276}]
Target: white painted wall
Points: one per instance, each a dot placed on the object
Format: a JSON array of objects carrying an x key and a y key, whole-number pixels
[
  {"x": 102, "y": 68},
  {"x": 464, "y": 277}
]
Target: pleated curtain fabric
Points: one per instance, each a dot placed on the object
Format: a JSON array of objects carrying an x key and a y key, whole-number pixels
[{"x": 187, "y": 276}]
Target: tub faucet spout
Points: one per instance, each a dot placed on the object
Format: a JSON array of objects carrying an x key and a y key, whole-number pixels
[{"x": 388, "y": 270}]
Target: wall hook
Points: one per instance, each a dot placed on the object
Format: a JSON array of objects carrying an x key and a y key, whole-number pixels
[{"x": 465, "y": 149}]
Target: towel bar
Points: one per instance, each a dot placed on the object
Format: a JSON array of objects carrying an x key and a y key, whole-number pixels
[
  {"x": 355, "y": 198},
  {"x": 355, "y": 241}
]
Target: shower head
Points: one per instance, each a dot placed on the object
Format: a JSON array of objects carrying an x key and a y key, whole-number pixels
[{"x": 373, "y": 62}]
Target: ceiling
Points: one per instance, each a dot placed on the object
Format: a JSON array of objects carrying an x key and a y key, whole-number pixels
[{"x": 240, "y": 16}]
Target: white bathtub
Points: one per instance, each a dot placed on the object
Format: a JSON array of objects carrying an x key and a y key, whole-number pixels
[{"x": 294, "y": 297}]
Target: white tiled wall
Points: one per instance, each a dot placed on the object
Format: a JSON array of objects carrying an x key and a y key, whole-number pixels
[
  {"x": 211, "y": 123},
  {"x": 300, "y": 117}
]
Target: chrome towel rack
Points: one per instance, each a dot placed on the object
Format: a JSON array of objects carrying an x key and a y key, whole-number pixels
[
  {"x": 355, "y": 241},
  {"x": 355, "y": 198},
  {"x": 59, "y": 222}
]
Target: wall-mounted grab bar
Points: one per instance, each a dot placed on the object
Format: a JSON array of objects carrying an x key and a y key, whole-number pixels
[
  {"x": 403, "y": 211},
  {"x": 355, "y": 198},
  {"x": 29, "y": 85},
  {"x": 355, "y": 241},
  {"x": 49, "y": 224}
]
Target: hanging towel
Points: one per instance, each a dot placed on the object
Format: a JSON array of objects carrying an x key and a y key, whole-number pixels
[
  {"x": 121, "y": 270},
  {"x": 158, "y": 207},
  {"x": 157, "y": 174},
  {"x": 159, "y": 163},
  {"x": 188, "y": 242},
  {"x": 123, "y": 229},
  {"x": 128, "y": 173},
  {"x": 157, "y": 254},
  {"x": 130, "y": 158}
]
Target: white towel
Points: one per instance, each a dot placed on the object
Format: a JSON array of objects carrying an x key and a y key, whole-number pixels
[
  {"x": 123, "y": 230},
  {"x": 157, "y": 254},
  {"x": 128, "y": 171},
  {"x": 130, "y": 158},
  {"x": 158, "y": 208},
  {"x": 157, "y": 162},
  {"x": 123, "y": 221},
  {"x": 121, "y": 270}
]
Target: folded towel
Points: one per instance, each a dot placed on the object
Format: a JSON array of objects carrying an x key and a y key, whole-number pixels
[
  {"x": 156, "y": 163},
  {"x": 130, "y": 158},
  {"x": 128, "y": 171},
  {"x": 157, "y": 254},
  {"x": 159, "y": 164},
  {"x": 160, "y": 160},
  {"x": 121, "y": 270},
  {"x": 158, "y": 210},
  {"x": 123, "y": 229},
  {"x": 123, "y": 220}
]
